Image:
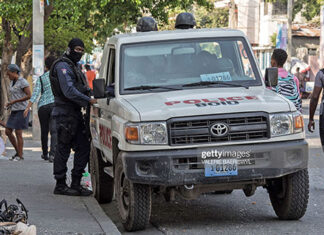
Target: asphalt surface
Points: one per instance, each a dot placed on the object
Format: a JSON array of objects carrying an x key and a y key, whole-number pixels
[{"x": 235, "y": 213}]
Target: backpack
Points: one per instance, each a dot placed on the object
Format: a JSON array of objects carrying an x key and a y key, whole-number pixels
[{"x": 287, "y": 87}]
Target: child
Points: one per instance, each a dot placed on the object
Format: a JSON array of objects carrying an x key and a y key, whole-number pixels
[{"x": 288, "y": 84}]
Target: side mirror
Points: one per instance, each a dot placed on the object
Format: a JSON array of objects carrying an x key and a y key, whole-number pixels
[
  {"x": 271, "y": 77},
  {"x": 99, "y": 88}
]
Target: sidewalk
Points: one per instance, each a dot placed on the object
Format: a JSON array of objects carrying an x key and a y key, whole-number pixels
[{"x": 32, "y": 182}]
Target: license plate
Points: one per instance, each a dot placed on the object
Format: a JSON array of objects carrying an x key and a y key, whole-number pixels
[{"x": 221, "y": 167}]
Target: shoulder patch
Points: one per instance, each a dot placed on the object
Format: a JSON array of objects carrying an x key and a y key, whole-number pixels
[{"x": 63, "y": 71}]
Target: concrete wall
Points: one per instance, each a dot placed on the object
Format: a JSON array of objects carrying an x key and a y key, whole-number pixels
[
  {"x": 268, "y": 26},
  {"x": 304, "y": 42},
  {"x": 248, "y": 19}
]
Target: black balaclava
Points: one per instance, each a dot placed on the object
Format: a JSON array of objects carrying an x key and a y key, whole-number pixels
[{"x": 73, "y": 55}]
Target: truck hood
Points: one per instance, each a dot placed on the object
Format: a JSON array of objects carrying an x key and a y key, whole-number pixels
[{"x": 195, "y": 102}]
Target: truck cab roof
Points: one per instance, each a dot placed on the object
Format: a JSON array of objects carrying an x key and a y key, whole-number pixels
[{"x": 173, "y": 35}]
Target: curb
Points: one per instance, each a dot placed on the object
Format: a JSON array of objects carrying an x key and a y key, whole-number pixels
[{"x": 107, "y": 226}]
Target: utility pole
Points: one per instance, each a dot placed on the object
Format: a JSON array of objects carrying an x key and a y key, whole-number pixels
[
  {"x": 321, "y": 63},
  {"x": 289, "y": 33},
  {"x": 38, "y": 55},
  {"x": 232, "y": 20}
]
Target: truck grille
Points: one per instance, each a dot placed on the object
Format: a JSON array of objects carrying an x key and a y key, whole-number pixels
[{"x": 249, "y": 126}]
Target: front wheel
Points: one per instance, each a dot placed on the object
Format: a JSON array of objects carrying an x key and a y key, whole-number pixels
[
  {"x": 289, "y": 195},
  {"x": 134, "y": 200},
  {"x": 102, "y": 184}
]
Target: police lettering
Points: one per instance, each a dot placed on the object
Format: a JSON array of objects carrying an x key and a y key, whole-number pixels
[
  {"x": 105, "y": 136},
  {"x": 213, "y": 101},
  {"x": 217, "y": 103}
]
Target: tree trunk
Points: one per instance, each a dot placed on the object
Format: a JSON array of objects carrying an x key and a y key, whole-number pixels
[
  {"x": 26, "y": 64},
  {"x": 6, "y": 60},
  {"x": 25, "y": 43}
]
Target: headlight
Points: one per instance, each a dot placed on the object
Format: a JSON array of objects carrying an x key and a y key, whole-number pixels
[
  {"x": 286, "y": 123},
  {"x": 147, "y": 133}
]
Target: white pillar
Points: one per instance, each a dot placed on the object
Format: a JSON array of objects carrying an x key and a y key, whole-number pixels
[
  {"x": 289, "y": 35},
  {"x": 38, "y": 55},
  {"x": 321, "y": 63}
]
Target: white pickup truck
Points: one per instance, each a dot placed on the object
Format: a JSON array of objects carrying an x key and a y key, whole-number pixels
[{"x": 187, "y": 112}]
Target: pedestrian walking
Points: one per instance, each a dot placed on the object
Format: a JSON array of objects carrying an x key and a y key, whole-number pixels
[
  {"x": 19, "y": 94},
  {"x": 318, "y": 86},
  {"x": 45, "y": 107},
  {"x": 71, "y": 92},
  {"x": 288, "y": 84},
  {"x": 91, "y": 75}
]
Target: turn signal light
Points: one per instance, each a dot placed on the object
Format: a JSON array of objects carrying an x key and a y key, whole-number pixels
[
  {"x": 299, "y": 122},
  {"x": 131, "y": 133}
]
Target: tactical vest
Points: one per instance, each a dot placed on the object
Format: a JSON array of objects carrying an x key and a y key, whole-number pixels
[{"x": 81, "y": 83}]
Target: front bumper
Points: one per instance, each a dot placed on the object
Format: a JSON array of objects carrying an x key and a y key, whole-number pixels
[{"x": 184, "y": 166}]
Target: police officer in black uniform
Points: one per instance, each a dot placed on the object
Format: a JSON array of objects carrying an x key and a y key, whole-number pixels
[
  {"x": 185, "y": 20},
  {"x": 71, "y": 92}
]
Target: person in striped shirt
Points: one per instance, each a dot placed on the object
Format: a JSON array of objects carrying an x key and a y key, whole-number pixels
[{"x": 45, "y": 107}]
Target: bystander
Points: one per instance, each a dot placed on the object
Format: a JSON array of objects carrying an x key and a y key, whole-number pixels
[
  {"x": 288, "y": 84},
  {"x": 45, "y": 107},
  {"x": 19, "y": 94}
]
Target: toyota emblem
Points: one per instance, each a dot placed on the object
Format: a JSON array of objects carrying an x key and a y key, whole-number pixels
[{"x": 219, "y": 129}]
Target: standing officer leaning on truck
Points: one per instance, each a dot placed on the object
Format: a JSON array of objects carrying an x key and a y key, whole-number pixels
[
  {"x": 71, "y": 92},
  {"x": 318, "y": 86}
]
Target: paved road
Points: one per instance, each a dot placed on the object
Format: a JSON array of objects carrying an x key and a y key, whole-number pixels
[{"x": 234, "y": 213}]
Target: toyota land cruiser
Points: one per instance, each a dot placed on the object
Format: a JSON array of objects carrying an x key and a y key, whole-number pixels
[{"x": 187, "y": 112}]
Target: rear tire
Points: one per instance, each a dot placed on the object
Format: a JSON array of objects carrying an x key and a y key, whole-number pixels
[
  {"x": 289, "y": 195},
  {"x": 134, "y": 200},
  {"x": 102, "y": 183}
]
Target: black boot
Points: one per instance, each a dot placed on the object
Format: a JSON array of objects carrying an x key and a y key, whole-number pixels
[
  {"x": 44, "y": 156},
  {"x": 75, "y": 185},
  {"x": 62, "y": 189}
]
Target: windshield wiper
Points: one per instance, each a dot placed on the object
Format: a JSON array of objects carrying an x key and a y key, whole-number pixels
[
  {"x": 150, "y": 88},
  {"x": 206, "y": 83}
]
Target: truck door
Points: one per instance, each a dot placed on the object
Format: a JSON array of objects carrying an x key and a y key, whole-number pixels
[{"x": 105, "y": 117}]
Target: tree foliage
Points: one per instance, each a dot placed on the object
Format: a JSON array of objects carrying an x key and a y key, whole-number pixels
[
  {"x": 308, "y": 8},
  {"x": 212, "y": 18},
  {"x": 86, "y": 19}
]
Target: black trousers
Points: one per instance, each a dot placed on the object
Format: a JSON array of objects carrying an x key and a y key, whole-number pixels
[
  {"x": 71, "y": 135},
  {"x": 321, "y": 129},
  {"x": 47, "y": 124}
]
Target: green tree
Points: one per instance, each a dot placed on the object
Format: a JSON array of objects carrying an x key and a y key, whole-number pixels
[
  {"x": 212, "y": 18},
  {"x": 87, "y": 19},
  {"x": 308, "y": 8}
]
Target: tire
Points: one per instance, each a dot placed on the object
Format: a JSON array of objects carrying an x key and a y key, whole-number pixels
[
  {"x": 102, "y": 183},
  {"x": 289, "y": 195},
  {"x": 134, "y": 200}
]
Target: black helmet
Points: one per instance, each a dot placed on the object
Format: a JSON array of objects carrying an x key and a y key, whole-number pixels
[
  {"x": 185, "y": 20},
  {"x": 146, "y": 24}
]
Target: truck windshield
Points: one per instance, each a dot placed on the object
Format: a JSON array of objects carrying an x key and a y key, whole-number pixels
[{"x": 183, "y": 62}]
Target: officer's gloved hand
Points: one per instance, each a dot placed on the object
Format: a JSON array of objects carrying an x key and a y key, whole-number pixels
[{"x": 93, "y": 101}]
